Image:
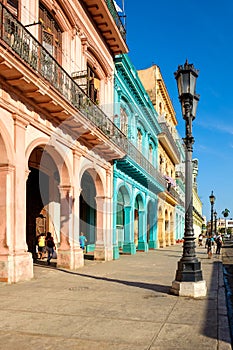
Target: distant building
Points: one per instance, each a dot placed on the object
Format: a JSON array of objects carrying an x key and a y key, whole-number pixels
[
  {"x": 198, "y": 219},
  {"x": 168, "y": 152},
  {"x": 137, "y": 181},
  {"x": 221, "y": 224}
]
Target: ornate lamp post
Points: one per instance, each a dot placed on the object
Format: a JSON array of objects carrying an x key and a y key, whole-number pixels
[
  {"x": 188, "y": 281},
  {"x": 212, "y": 200},
  {"x": 215, "y": 222}
]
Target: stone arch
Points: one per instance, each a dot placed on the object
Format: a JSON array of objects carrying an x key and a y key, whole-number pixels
[
  {"x": 151, "y": 223},
  {"x": 92, "y": 202},
  {"x": 62, "y": 14},
  {"x": 62, "y": 162},
  {"x": 124, "y": 120},
  {"x": 141, "y": 200},
  {"x": 139, "y": 219},
  {"x": 48, "y": 192},
  {"x": 127, "y": 192},
  {"x": 7, "y": 161},
  {"x": 141, "y": 126},
  {"x": 97, "y": 177},
  {"x": 6, "y": 147},
  {"x": 161, "y": 231},
  {"x": 95, "y": 60},
  {"x": 125, "y": 102},
  {"x": 123, "y": 214}
]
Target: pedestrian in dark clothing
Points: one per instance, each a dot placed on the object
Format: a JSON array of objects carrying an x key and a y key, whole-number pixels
[
  {"x": 210, "y": 245},
  {"x": 50, "y": 246},
  {"x": 218, "y": 241}
]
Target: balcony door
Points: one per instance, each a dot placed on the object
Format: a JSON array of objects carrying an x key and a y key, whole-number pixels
[{"x": 51, "y": 34}]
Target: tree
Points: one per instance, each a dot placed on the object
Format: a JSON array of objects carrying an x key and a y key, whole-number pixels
[{"x": 225, "y": 213}]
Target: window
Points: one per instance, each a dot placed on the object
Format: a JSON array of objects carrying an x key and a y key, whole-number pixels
[
  {"x": 124, "y": 122},
  {"x": 151, "y": 153},
  {"x": 51, "y": 35},
  {"x": 120, "y": 209},
  {"x": 13, "y": 6},
  {"x": 139, "y": 140},
  {"x": 160, "y": 109},
  {"x": 93, "y": 85}
]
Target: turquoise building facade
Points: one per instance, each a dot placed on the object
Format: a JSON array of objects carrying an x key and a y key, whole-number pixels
[{"x": 136, "y": 180}]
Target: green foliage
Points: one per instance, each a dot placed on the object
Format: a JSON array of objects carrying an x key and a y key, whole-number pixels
[{"x": 225, "y": 212}]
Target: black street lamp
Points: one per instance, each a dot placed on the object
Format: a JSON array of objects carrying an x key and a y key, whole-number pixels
[
  {"x": 215, "y": 222},
  {"x": 212, "y": 200},
  {"x": 189, "y": 267}
]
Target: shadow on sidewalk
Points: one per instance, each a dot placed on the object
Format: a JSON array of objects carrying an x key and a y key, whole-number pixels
[{"x": 154, "y": 287}]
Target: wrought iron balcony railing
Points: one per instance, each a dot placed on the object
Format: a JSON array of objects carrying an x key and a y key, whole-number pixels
[
  {"x": 24, "y": 44},
  {"x": 144, "y": 163},
  {"x": 116, "y": 17},
  {"x": 166, "y": 130},
  {"x": 174, "y": 194},
  {"x": 21, "y": 41}
]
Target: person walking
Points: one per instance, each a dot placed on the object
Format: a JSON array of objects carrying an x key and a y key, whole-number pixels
[
  {"x": 50, "y": 246},
  {"x": 82, "y": 241},
  {"x": 210, "y": 246},
  {"x": 200, "y": 239},
  {"x": 218, "y": 241},
  {"x": 41, "y": 246}
]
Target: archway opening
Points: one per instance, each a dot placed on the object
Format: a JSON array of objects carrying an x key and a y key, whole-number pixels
[
  {"x": 120, "y": 219},
  {"x": 150, "y": 221},
  {"x": 42, "y": 198},
  {"x": 88, "y": 211},
  {"x": 136, "y": 222}
]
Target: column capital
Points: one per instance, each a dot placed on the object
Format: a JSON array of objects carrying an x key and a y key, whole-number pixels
[
  {"x": 7, "y": 167},
  {"x": 77, "y": 153},
  {"x": 65, "y": 188},
  {"x": 20, "y": 121}
]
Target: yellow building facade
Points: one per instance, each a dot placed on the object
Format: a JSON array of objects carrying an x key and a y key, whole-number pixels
[
  {"x": 198, "y": 219},
  {"x": 168, "y": 153}
]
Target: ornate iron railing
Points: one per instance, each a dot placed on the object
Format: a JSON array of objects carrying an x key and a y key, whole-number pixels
[
  {"x": 21, "y": 41},
  {"x": 173, "y": 192},
  {"x": 166, "y": 130},
  {"x": 116, "y": 17},
  {"x": 140, "y": 159},
  {"x": 24, "y": 44}
]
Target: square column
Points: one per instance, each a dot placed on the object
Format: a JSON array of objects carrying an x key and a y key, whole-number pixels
[{"x": 70, "y": 255}]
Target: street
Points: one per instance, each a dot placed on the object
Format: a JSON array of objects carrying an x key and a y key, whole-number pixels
[{"x": 124, "y": 304}]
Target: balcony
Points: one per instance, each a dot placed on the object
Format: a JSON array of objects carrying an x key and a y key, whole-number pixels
[
  {"x": 138, "y": 167},
  {"x": 106, "y": 18},
  {"x": 28, "y": 69},
  {"x": 175, "y": 195},
  {"x": 168, "y": 142}
]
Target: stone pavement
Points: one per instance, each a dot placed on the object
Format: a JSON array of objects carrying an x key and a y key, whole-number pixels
[{"x": 118, "y": 305}]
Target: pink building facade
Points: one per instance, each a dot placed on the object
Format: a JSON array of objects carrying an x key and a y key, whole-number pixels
[{"x": 57, "y": 140}]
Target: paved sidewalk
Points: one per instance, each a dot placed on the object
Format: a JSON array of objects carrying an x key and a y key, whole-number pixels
[{"x": 119, "y": 305}]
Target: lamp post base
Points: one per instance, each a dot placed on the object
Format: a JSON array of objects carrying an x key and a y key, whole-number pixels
[
  {"x": 189, "y": 271},
  {"x": 189, "y": 289}
]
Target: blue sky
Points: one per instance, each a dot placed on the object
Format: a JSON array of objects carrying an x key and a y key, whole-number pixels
[{"x": 166, "y": 33}]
